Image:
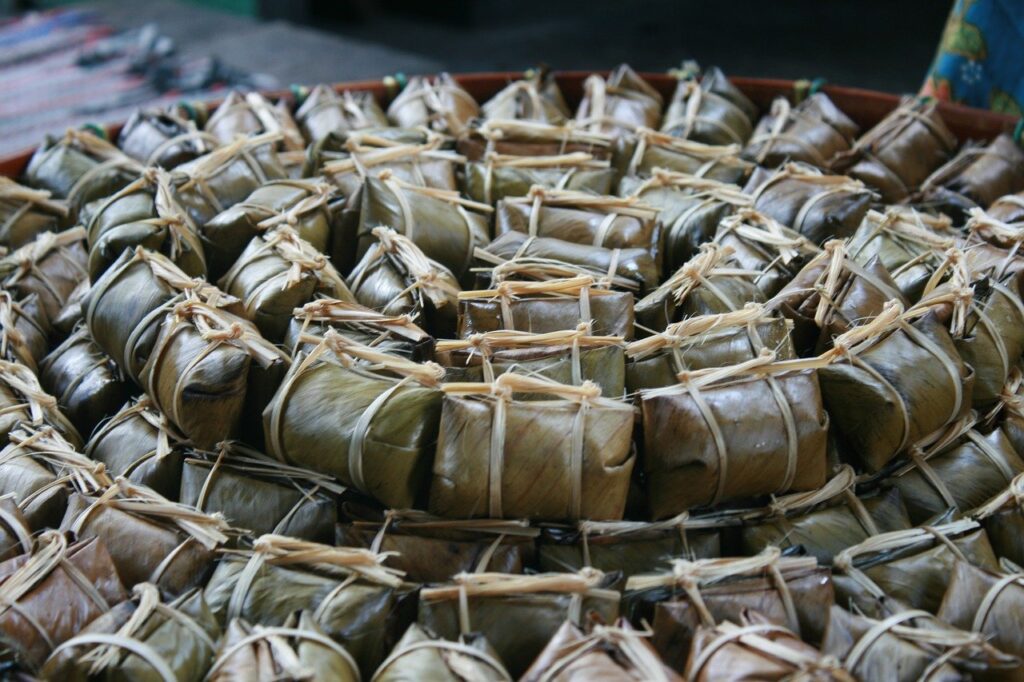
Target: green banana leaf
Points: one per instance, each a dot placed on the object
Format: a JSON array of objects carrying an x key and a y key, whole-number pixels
[
  {"x": 988, "y": 603},
  {"x": 253, "y": 114},
  {"x": 24, "y": 402},
  {"x": 438, "y": 103},
  {"x": 72, "y": 315},
  {"x": 535, "y": 97},
  {"x": 24, "y": 332},
  {"x": 709, "y": 109},
  {"x": 647, "y": 150},
  {"x": 419, "y": 655},
  {"x": 50, "y": 267},
  {"x": 530, "y": 138},
  {"x": 501, "y": 176},
  {"x": 1003, "y": 520},
  {"x": 163, "y": 138},
  {"x": 325, "y": 111},
  {"x": 619, "y": 104},
  {"x": 813, "y": 132},
  {"x": 26, "y": 213}
]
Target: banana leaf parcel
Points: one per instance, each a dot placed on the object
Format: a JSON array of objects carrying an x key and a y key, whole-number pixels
[
  {"x": 446, "y": 227},
  {"x": 140, "y": 444},
  {"x": 494, "y": 269},
  {"x": 547, "y": 306},
  {"x": 577, "y": 442},
  {"x": 517, "y": 614},
  {"x": 761, "y": 244},
  {"x": 362, "y": 415},
  {"x": 647, "y": 150},
  {"x": 24, "y": 402},
  {"x": 826, "y": 521},
  {"x": 353, "y": 598},
  {"x": 975, "y": 177},
  {"x": 906, "y": 379},
  {"x": 88, "y": 386},
  {"x": 163, "y": 139},
  {"x": 296, "y": 650},
  {"x": 50, "y": 594},
  {"x": 150, "y": 539},
  {"x": 499, "y": 176},
  {"x": 707, "y": 284},
  {"x": 130, "y": 300},
  {"x": 1003, "y": 520},
  {"x": 51, "y": 267},
  {"x": 818, "y": 206},
  {"x": 1008, "y": 208},
  {"x": 278, "y": 272},
  {"x": 325, "y": 111},
  {"x": 619, "y": 104},
  {"x": 437, "y": 103},
  {"x": 260, "y": 494},
  {"x": 912, "y": 567},
  {"x": 790, "y": 591},
  {"x": 710, "y": 110},
  {"x": 142, "y": 638},
  {"x": 531, "y": 138},
  {"x": 704, "y": 341},
  {"x": 567, "y": 357},
  {"x": 395, "y": 278},
  {"x": 394, "y": 334},
  {"x": 421, "y": 162},
  {"x": 812, "y": 132},
  {"x": 15, "y": 533},
  {"x": 901, "y": 151},
  {"x": 24, "y": 334},
  {"x": 253, "y": 114},
  {"x": 609, "y": 652},
  {"x": 419, "y": 655},
  {"x": 212, "y": 373},
  {"x": 428, "y": 549},
  {"x": 753, "y": 428},
  {"x": 535, "y": 97},
  {"x": 80, "y": 167},
  {"x": 689, "y": 209},
  {"x": 310, "y": 207},
  {"x": 26, "y": 213},
  {"x": 72, "y": 314},
  {"x": 757, "y": 649},
  {"x": 910, "y": 245}
]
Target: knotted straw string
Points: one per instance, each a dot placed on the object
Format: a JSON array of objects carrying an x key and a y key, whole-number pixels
[
  {"x": 641, "y": 661},
  {"x": 274, "y": 633},
  {"x": 692, "y": 95},
  {"x": 331, "y": 312},
  {"x": 580, "y": 288},
  {"x": 712, "y": 155}
]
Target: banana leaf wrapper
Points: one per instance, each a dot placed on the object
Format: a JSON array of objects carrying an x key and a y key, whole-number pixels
[
  {"x": 912, "y": 567},
  {"x": 212, "y": 374},
  {"x": 824, "y": 522},
  {"x": 910, "y": 245},
  {"x": 705, "y": 341},
  {"x": 258, "y": 493},
  {"x": 140, "y": 444},
  {"x": 530, "y": 138},
  {"x": 710, "y": 110},
  {"x": 150, "y": 539},
  {"x": 518, "y": 615},
  {"x": 419, "y": 655},
  {"x": 733, "y": 432},
  {"x": 906, "y": 379},
  {"x": 627, "y": 547},
  {"x": 217, "y": 181},
  {"x": 500, "y": 176},
  {"x": 51, "y": 593},
  {"x": 569, "y": 357},
  {"x": 24, "y": 334},
  {"x": 761, "y": 244},
  {"x": 359, "y": 414},
  {"x": 535, "y": 97},
  {"x": 142, "y": 639},
  {"x": 24, "y": 402},
  {"x": 633, "y": 265},
  {"x": 354, "y": 600},
  {"x": 127, "y": 305},
  {"x": 438, "y": 103},
  {"x": 647, "y": 150},
  {"x": 15, "y": 533},
  {"x": 26, "y": 213},
  {"x": 50, "y": 267},
  {"x": 253, "y": 114},
  {"x": 296, "y": 650},
  {"x": 396, "y": 278},
  {"x": 444, "y": 226},
  {"x": 1008, "y": 208},
  {"x": 396, "y": 335},
  {"x": 421, "y": 160},
  {"x": 820, "y": 207},
  {"x": 80, "y": 167},
  {"x": 432, "y": 550},
  {"x": 976, "y": 177},
  {"x": 1003, "y": 520},
  {"x": 690, "y": 209},
  {"x": 88, "y": 385},
  {"x": 310, "y": 207},
  {"x": 72, "y": 314},
  {"x": 278, "y": 272},
  {"x": 832, "y": 294},
  {"x": 579, "y": 443},
  {"x": 325, "y": 111},
  {"x": 900, "y": 152},
  {"x": 610, "y": 652},
  {"x": 707, "y": 284},
  {"x": 619, "y": 104},
  {"x": 813, "y": 132},
  {"x": 757, "y": 649},
  {"x": 547, "y": 306},
  {"x": 163, "y": 139}
]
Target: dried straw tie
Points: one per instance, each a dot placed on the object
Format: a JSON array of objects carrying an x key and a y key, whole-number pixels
[
  {"x": 711, "y": 155},
  {"x": 25, "y": 261},
  {"x": 981, "y": 222},
  {"x": 279, "y": 635},
  {"x": 581, "y": 288},
  {"x": 680, "y": 523},
  {"x": 910, "y": 230},
  {"x": 775, "y": 242},
  {"x": 782, "y": 115},
  {"x": 205, "y": 167},
  {"x": 205, "y": 143},
  {"x": 48, "y": 446},
  {"x": 109, "y": 156},
  {"x": 645, "y": 663},
  {"x": 27, "y": 200},
  {"x": 362, "y": 158},
  {"x": 694, "y": 96},
  {"x": 12, "y": 339},
  {"x": 318, "y": 196},
  {"x": 971, "y": 153},
  {"x": 830, "y": 186},
  {"x": 571, "y": 163},
  {"x": 330, "y": 311},
  {"x": 432, "y": 93},
  {"x": 142, "y": 409},
  {"x": 26, "y": 384},
  {"x": 597, "y": 93},
  {"x": 841, "y": 485},
  {"x": 444, "y": 647}
]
